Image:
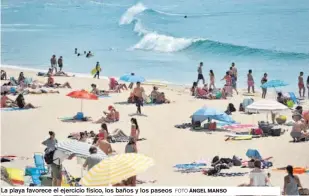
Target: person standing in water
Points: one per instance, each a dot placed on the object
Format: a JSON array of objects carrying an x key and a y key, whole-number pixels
[
  {"x": 200, "y": 73},
  {"x": 60, "y": 63},
  {"x": 53, "y": 63},
  {"x": 212, "y": 79},
  {"x": 291, "y": 183},
  {"x": 138, "y": 97},
  {"x": 250, "y": 81},
  {"x": 98, "y": 70},
  {"x": 264, "y": 90},
  {"x": 308, "y": 86},
  {"x": 75, "y": 51},
  {"x": 234, "y": 80},
  {"x": 301, "y": 84}
]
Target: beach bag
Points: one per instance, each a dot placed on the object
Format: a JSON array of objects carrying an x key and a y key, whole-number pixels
[
  {"x": 49, "y": 156},
  {"x": 257, "y": 132},
  {"x": 275, "y": 132},
  {"x": 236, "y": 161},
  {"x": 196, "y": 124},
  {"x": 212, "y": 126}
]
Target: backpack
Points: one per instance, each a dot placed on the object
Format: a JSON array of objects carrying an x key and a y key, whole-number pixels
[{"x": 49, "y": 156}]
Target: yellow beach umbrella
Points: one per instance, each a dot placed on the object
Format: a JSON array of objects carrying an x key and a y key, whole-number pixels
[{"x": 116, "y": 168}]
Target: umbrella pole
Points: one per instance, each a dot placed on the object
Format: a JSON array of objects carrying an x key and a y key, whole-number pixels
[{"x": 81, "y": 105}]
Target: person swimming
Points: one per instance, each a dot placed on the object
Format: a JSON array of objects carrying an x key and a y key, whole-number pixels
[{"x": 185, "y": 16}]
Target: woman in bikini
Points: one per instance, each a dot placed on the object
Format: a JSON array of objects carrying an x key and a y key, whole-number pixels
[
  {"x": 20, "y": 101},
  {"x": 111, "y": 116},
  {"x": 135, "y": 131},
  {"x": 212, "y": 79},
  {"x": 264, "y": 90},
  {"x": 96, "y": 91},
  {"x": 6, "y": 102}
]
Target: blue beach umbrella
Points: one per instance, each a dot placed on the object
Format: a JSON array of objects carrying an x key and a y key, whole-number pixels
[
  {"x": 274, "y": 84},
  {"x": 132, "y": 78},
  {"x": 205, "y": 113}
]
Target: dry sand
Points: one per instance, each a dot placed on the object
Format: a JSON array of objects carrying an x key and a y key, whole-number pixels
[{"x": 23, "y": 131}]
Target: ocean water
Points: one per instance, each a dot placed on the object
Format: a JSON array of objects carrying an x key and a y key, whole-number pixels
[{"x": 153, "y": 39}]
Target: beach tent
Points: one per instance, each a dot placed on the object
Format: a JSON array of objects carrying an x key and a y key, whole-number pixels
[
  {"x": 204, "y": 113},
  {"x": 266, "y": 106},
  {"x": 81, "y": 149},
  {"x": 132, "y": 78}
]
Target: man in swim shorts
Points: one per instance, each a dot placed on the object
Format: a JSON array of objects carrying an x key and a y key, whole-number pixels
[
  {"x": 301, "y": 85},
  {"x": 200, "y": 73},
  {"x": 60, "y": 63},
  {"x": 234, "y": 71},
  {"x": 53, "y": 63}
]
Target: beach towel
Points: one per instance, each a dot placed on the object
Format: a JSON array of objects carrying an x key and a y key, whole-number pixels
[
  {"x": 104, "y": 96},
  {"x": 190, "y": 165},
  {"x": 72, "y": 119},
  {"x": 39, "y": 163},
  {"x": 13, "y": 109},
  {"x": 119, "y": 136},
  {"x": 16, "y": 176}
]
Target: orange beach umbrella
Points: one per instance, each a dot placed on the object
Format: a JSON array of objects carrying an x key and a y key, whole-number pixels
[{"x": 82, "y": 94}]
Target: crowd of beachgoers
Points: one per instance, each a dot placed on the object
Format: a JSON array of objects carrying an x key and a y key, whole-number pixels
[{"x": 22, "y": 86}]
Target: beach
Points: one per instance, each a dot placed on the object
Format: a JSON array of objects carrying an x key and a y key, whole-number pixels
[{"x": 23, "y": 131}]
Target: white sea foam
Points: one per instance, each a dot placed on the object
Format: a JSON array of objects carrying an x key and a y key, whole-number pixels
[
  {"x": 163, "y": 43},
  {"x": 130, "y": 14}
]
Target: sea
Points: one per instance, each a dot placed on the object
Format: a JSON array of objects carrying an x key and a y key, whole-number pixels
[{"x": 161, "y": 40}]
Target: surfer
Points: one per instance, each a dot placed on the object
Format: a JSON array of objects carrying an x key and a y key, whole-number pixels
[
  {"x": 89, "y": 54},
  {"x": 98, "y": 70}
]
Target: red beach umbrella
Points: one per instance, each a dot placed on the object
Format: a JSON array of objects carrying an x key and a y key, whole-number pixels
[{"x": 82, "y": 94}]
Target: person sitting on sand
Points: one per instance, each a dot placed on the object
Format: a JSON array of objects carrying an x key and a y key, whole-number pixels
[
  {"x": 111, "y": 116},
  {"x": 161, "y": 99},
  {"x": 131, "y": 146},
  {"x": 20, "y": 102},
  {"x": 193, "y": 89},
  {"x": 103, "y": 132},
  {"x": 3, "y": 75},
  {"x": 6, "y": 101},
  {"x": 105, "y": 146},
  {"x": 299, "y": 127},
  {"x": 135, "y": 131},
  {"x": 281, "y": 99},
  {"x": 96, "y": 91},
  {"x": 154, "y": 94},
  {"x": 21, "y": 78},
  {"x": 51, "y": 83},
  {"x": 115, "y": 86},
  {"x": 257, "y": 176},
  {"x": 83, "y": 137},
  {"x": 291, "y": 182}
]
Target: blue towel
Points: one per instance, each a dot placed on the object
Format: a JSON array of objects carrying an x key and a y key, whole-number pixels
[
  {"x": 253, "y": 153},
  {"x": 190, "y": 166},
  {"x": 39, "y": 163},
  {"x": 104, "y": 96},
  {"x": 13, "y": 109}
]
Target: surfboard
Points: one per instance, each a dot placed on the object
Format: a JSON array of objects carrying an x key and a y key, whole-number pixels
[{"x": 94, "y": 71}]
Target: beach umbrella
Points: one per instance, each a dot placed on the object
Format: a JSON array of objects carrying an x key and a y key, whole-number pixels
[
  {"x": 132, "y": 78},
  {"x": 82, "y": 94},
  {"x": 80, "y": 149},
  {"x": 211, "y": 113},
  {"x": 274, "y": 84},
  {"x": 266, "y": 106},
  {"x": 114, "y": 169}
]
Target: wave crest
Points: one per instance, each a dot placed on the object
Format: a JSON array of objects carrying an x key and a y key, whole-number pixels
[{"x": 130, "y": 14}]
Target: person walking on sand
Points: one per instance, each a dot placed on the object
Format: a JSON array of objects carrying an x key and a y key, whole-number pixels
[
  {"x": 200, "y": 73},
  {"x": 98, "y": 70},
  {"x": 50, "y": 142},
  {"x": 264, "y": 90},
  {"x": 53, "y": 63},
  {"x": 138, "y": 97},
  {"x": 234, "y": 70},
  {"x": 212, "y": 79},
  {"x": 60, "y": 63},
  {"x": 250, "y": 81},
  {"x": 234, "y": 80},
  {"x": 301, "y": 84},
  {"x": 291, "y": 182}
]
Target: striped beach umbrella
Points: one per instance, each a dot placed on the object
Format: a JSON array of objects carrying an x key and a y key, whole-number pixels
[
  {"x": 81, "y": 149},
  {"x": 114, "y": 169}
]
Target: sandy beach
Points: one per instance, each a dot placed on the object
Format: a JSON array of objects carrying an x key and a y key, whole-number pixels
[{"x": 23, "y": 131}]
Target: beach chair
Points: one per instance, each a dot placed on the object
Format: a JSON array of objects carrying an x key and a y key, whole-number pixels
[
  {"x": 293, "y": 98},
  {"x": 39, "y": 163}
]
